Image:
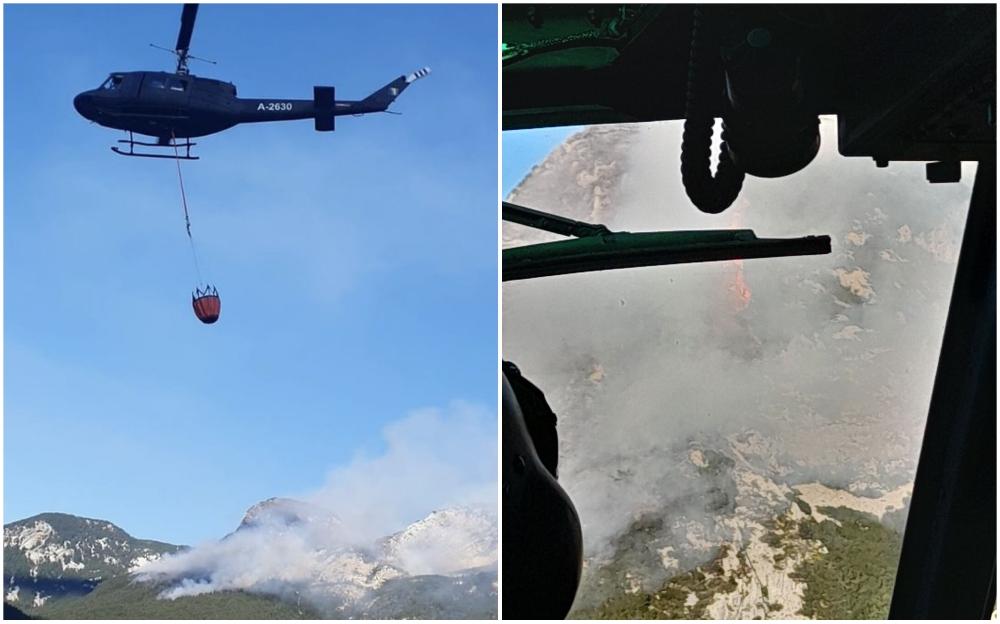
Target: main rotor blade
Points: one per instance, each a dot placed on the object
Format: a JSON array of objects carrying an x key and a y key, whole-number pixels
[{"x": 187, "y": 27}]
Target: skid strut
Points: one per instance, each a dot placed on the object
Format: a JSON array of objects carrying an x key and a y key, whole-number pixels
[{"x": 171, "y": 143}]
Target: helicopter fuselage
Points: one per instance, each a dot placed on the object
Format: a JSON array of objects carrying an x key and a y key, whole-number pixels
[{"x": 174, "y": 106}]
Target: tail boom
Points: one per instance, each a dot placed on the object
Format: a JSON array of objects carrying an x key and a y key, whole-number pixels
[{"x": 325, "y": 107}]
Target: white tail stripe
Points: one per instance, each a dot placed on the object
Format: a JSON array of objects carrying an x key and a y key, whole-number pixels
[{"x": 417, "y": 75}]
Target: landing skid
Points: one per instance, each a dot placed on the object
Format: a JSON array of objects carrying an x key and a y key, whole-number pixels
[{"x": 131, "y": 142}]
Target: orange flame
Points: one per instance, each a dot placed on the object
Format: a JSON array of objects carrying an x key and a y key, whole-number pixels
[{"x": 738, "y": 287}]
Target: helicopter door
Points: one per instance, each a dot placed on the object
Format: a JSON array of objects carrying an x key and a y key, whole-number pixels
[
  {"x": 168, "y": 94},
  {"x": 179, "y": 90}
]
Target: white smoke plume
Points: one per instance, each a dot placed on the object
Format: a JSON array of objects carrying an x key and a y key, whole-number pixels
[
  {"x": 438, "y": 470},
  {"x": 433, "y": 460},
  {"x": 826, "y": 371}
]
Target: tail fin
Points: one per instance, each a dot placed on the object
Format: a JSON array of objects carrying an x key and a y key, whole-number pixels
[{"x": 381, "y": 99}]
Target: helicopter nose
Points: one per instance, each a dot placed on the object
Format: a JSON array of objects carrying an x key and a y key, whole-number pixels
[{"x": 84, "y": 104}]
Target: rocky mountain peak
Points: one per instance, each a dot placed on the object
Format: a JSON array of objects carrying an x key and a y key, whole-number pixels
[
  {"x": 447, "y": 541},
  {"x": 578, "y": 179},
  {"x": 285, "y": 512}
]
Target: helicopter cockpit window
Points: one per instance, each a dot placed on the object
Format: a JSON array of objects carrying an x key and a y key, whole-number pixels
[
  {"x": 113, "y": 82},
  {"x": 740, "y": 438},
  {"x": 178, "y": 85},
  {"x": 158, "y": 83}
]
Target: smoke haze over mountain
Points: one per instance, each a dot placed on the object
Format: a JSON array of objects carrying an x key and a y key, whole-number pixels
[
  {"x": 815, "y": 368},
  {"x": 335, "y": 547}
]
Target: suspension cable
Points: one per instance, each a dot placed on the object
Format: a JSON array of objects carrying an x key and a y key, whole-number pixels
[{"x": 187, "y": 218}]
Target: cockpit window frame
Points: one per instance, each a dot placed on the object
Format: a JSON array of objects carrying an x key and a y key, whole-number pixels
[{"x": 112, "y": 83}]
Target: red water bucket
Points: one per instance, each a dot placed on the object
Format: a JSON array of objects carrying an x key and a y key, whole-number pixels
[{"x": 207, "y": 304}]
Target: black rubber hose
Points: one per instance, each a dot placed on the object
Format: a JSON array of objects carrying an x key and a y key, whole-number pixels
[{"x": 704, "y": 88}]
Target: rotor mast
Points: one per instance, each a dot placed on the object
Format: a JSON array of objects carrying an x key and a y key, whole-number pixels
[{"x": 184, "y": 37}]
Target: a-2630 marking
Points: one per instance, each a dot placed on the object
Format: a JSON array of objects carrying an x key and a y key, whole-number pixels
[{"x": 274, "y": 106}]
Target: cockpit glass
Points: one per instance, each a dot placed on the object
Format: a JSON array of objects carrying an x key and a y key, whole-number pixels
[
  {"x": 113, "y": 82},
  {"x": 740, "y": 438}
]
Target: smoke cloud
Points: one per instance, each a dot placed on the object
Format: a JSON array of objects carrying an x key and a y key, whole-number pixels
[
  {"x": 433, "y": 459},
  {"x": 818, "y": 367},
  {"x": 328, "y": 546}
]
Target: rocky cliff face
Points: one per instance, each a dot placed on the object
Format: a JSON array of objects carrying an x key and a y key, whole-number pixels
[
  {"x": 739, "y": 437},
  {"x": 445, "y": 542},
  {"x": 577, "y": 180},
  {"x": 54, "y": 555}
]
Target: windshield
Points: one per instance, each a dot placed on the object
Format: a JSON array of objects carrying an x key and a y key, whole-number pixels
[
  {"x": 740, "y": 438},
  {"x": 113, "y": 82}
]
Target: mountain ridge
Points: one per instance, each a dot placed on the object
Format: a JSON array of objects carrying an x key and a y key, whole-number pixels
[{"x": 54, "y": 558}]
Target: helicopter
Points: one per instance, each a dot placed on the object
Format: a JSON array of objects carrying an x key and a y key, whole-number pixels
[{"x": 176, "y": 107}]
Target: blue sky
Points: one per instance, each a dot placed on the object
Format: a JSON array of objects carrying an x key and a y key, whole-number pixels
[{"x": 357, "y": 269}]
